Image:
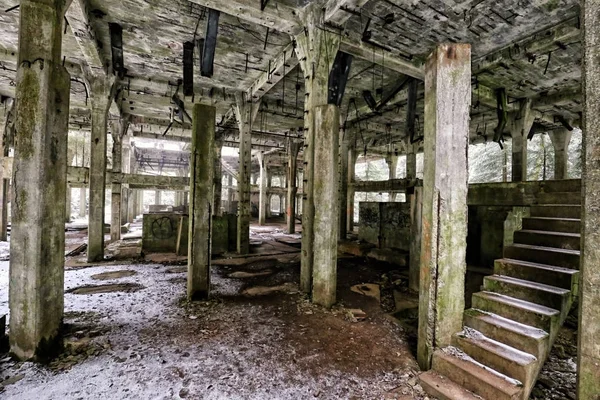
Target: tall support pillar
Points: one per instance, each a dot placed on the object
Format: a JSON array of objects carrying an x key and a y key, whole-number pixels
[
  {"x": 588, "y": 346},
  {"x": 316, "y": 49},
  {"x": 157, "y": 197},
  {"x": 292, "y": 185},
  {"x": 246, "y": 112},
  {"x": 392, "y": 163},
  {"x": 82, "y": 202},
  {"x": 68, "y": 205},
  {"x": 262, "y": 189},
  {"x": 520, "y": 126},
  {"x": 352, "y": 155},
  {"x": 119, "y": 130},
  {"x": 411, "y": 160},
  {"x": 344, "y": 178},
  {"x": 202, "y": 166},
  {"x": 444, "y": 230},
  {"x": 229, "y": 193},
  {"x": 37, "y": 243},
  {"x": 326, "y": 194},
  {"x": 560, "y": 140},
  {"x": 5, "y": 180},
  {"x": 102, "y": 91},
  {"x": 218, "y": 177}
]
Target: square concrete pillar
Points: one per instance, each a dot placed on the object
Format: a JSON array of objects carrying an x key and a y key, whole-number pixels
[
  {"x": 444, "y": 215},
  {"x": 202, "y": 166},
  {"x": 4, "y": 177},
  {"x": 520, "y": 126},
  {"x": 416, "y": 212},
  {"x": 588, "y": 357},
  {"x": 292, "y": 188},
  {"x": 101, "y": 96},
  {"x": 116, "y": 188},
  {"x": 326, "y": 200},
  {"x": 343, "y": 197},
  {"x": 560, "y": 141},
  {"x": 36, "y": 287},
  {"x": 82, "y": 202},
  {"x": 263, "y": 198},
  {"x": 68, "y": 205},
  {"x": 352, "y": 156},
  {"x": 218, "y": 178}
]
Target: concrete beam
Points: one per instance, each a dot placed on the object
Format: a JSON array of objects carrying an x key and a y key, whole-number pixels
[
  {"x": 79, "y": 21},
  {"x": 278, "y": 67},
  {"x": 339, "y": 11}
]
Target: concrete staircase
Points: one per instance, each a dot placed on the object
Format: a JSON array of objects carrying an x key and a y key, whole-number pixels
[{"x": 514, "y": 321}]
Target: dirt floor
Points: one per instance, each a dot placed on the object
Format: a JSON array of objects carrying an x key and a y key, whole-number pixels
[{"x": 130, "y": 333}]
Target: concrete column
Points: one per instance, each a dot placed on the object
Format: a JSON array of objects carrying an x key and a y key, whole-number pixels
[
  {"x": 68, "y": 205},
  {"x": 344, "y": 178},
  {"x": 119, "y": 130},
  {"x": 37, "y": 246},
  {"x": 262, "y": 187},
  {"x": 416, "y": 212},
  {"x": 352, "y": 156},
  {"x": 246, "y": 112},
  {"x": 202, "y": 165},
  {"x": 281, "y": 204},
  {"x": 326, "y": 194},
  {"x": 392, "y": 162},
  {"x": 520, "y": 126},
  {"x": 444, "y": 228},
  {"x": 218, "y": 177},
  {"x": 140, "y": 203},
  {"x": 5, "y": 180},
  {"x": 157, "y": 197},
  {"x": 316, "y": 49},
  {"x": 229, "y": 193},
  {"x": 588, "y": 346},
  {"x": 82, "y": 202},
  {"x": 292, "y": 188},
  {"x": 411, "y": 159},
  {"x": 101, "y": 95},
  {"x": 560, "y": 140}
]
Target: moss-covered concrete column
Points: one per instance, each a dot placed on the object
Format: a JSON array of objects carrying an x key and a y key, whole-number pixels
[
  {"x": 352, "y": 156},
  {"x": 262, "y": 189},
  {"x": 560, "y": 140},
  {"x": 218, "y": 177},
  {"x": 246, "y": 112},
  {"x": 292, "y": 185},
  {"x": 416, "y": 226},
  {"x": 411, "y": 159},
  {"x": 344, "y": 178},
  {"x": 392, "y": 162},
  {"x": 118, "y": 131},
  {"x": 101, "y": 95},
  {"x": 588, "y": 346},
  {"x": 316, "y": 50},
  {"x": 40, "y": 180},
  {"x": 202, "y": 174},
  {"x": 520, "y": 125},
  {"x": 444, "y": 216},
  {"x": 326, "y": 197}
]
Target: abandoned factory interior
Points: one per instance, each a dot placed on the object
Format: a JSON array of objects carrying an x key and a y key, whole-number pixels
[{"x": 300, "y": 199}]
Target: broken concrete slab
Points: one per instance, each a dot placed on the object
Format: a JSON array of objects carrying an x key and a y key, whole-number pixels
[
  {"x": 368, "y": 289},
  {"x": 287, "y": 287},
  {"x": 391, "y": 256}
]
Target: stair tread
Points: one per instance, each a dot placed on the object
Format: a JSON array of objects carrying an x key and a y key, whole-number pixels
[
  {"x": 544, "y": 248},
  {"x": 505, "y": 351},
  {"x": 568, "y": 271},
  {"x": 529, "y": 284},
  {"x": 463, "y": 362},
  {"x": 555, "y": 219},
  {"x": 444, "y": 386},
  {"x": 523, "y": 304},
  {"x": 508, "y": 324},
  {"x": 554, "y": 233}
]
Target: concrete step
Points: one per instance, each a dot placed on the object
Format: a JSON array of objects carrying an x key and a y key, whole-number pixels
[
  {"x": 475, "y": 377},
  {"x": 556, "y": 211},
  {"x": 443, "y": 388},
  {"x": 565, "y": 278},
  {"x": 507, "y": 360},
  {"x": 522, "y": 311},
  {"x": 534, "y": 292},
  {"x": 572, "y": 225},
  {"x": 559, "y": 240},
  {"x": 544, "y": 255},
  {"x": 522, "y": 337},
  {"x": 559, "y": 198}
]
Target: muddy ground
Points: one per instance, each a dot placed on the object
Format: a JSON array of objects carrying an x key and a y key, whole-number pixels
[{"x": 130, "y": 334}]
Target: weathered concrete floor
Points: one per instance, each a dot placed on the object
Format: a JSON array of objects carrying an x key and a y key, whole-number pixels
[{"x": 147, "y": 342}]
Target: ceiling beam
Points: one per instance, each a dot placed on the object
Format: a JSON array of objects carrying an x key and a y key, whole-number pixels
[
  {"x": 275, "y": 16},
  {"x": 339, "y": 11},
  {"x": 278, "y": 67},
  {"x": 86, "y": 37}
]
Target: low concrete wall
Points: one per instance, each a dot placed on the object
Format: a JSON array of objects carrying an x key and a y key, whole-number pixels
[{"x": 386, "y": 225}]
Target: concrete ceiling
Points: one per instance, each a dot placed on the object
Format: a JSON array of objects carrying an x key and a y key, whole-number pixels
[{"x": 530, "y": 48}]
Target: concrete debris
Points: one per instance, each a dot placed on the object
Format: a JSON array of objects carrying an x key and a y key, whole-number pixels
[
  {"x": 77, "y": 250},
  {"x": 368, "y": 289},
  {"x": 287, "y": 287},
  {"x": 356, "y": 314},
  {"x": 244, "y": 274}
]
